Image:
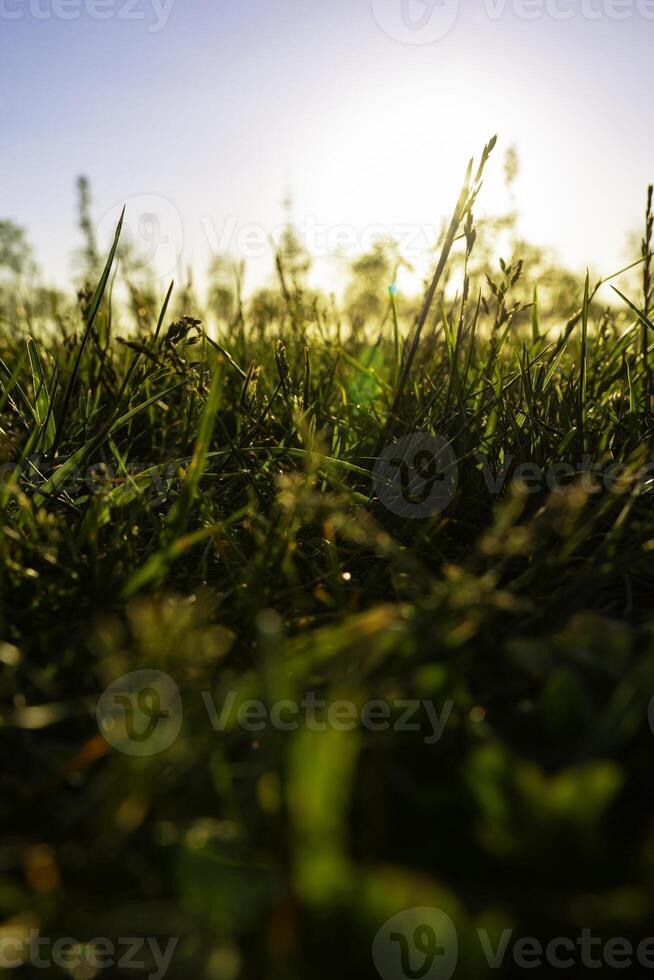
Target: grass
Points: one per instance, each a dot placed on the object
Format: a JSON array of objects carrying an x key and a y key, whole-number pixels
[{"x": 204, "y": 505}]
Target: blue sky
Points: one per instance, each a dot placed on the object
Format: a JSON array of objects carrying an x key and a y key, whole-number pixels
[{"x": 217, "y": 108}]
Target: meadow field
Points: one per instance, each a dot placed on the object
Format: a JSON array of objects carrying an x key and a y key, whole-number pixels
[{"x": 327, "y": 636}]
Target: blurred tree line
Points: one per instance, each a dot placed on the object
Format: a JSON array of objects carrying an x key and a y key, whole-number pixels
[{"x": 364, "y": 300}]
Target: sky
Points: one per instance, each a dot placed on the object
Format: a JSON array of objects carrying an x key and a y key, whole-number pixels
[{"x": 202, "y": 115}]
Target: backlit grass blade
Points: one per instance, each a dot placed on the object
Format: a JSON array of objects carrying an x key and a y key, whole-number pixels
[
  {"x": 179, "y": 514},
  {"x": 645, "y": 320},
  {"x": 43, "y": 397},
  {"x": 90, "y": 320}
]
